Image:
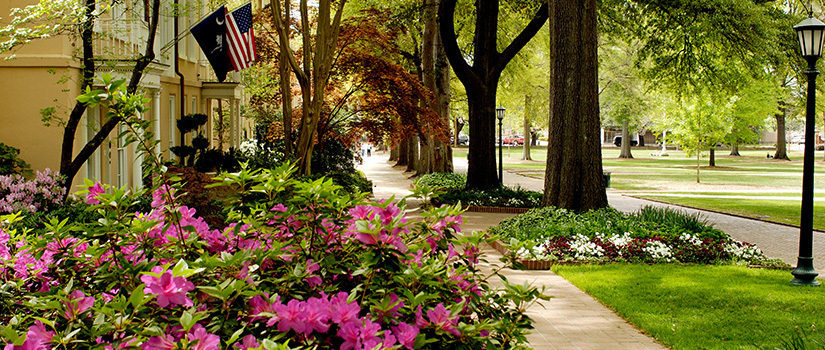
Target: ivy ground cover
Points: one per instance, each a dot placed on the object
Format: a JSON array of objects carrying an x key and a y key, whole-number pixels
[{"x": 300, "y": 265}]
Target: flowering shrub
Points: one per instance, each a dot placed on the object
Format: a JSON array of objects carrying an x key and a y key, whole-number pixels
[
  {"x": 542, "y": 224},
  {"x": 300, "y": 265},
  {"x": 685, "y": 248},
  {"x": 44, "y": 192}
]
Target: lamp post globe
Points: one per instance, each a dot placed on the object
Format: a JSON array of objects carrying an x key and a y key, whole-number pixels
[
  {"x": 810, "y": 34},
  {"x": 500, "y": 115}
]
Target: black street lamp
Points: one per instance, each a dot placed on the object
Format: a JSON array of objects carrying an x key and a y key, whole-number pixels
[
  {"x": 810, "y": 33},
  {"x": 500, "y": 116}
]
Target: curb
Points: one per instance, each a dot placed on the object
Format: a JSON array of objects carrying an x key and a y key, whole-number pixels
[
  {"x": 528, "y": 264},
  {"x": 503, "y": 210}
]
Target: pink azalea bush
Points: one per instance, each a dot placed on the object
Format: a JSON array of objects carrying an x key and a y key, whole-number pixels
[
  {"x": 43, "y": 192},
  {"x": 300, "y": 265}
]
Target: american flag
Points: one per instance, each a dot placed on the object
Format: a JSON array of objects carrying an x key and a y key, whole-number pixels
[{"x": 241, "y": 37}]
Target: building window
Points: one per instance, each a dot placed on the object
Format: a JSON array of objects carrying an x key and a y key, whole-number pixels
[{"x": 194, "y": 104}]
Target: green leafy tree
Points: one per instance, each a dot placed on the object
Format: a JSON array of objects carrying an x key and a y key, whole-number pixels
[{"x": 699, "y": 122}]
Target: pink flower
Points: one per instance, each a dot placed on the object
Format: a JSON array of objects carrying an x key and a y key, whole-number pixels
[
  {"x": 37, "y": 338},
  {"x": 310, "y": 269},
  {"x": 170, "y": 290},
  {"x": 405, "y": 334},
  {"x": 441, "y": 318},
  {"x": 292, "y": 316},
  {"x": 349, "y": 332},
  {"x": 163, "y": 342},
  {"x": 249, "y": 342},
  {"x": 342, "y": 312},
  {"x": 77, "y": 304},
  {"x": 316, "y": 315},
  {"x": 202, "y": 339},
  {"x": 94, "y": 192}
]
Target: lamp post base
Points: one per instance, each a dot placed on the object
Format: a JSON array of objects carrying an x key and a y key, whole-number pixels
[{"x": 804, "y": 273}]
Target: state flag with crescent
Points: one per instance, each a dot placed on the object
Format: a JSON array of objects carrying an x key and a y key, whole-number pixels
[{"x": 210, "y": 34}]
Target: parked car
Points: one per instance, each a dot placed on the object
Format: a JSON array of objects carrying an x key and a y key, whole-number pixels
[
  {"x": 617, "y": 140},
  {"x": 513, "y": 140},
  {"x": 463, "y": 139}
]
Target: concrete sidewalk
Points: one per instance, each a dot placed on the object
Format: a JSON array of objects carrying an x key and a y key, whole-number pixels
[{"x": 570, "y": 320}]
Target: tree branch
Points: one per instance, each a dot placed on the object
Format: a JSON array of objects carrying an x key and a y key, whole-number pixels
[
  {"x": 446, "y": 16},
  {"x": 523, "y": 38}
]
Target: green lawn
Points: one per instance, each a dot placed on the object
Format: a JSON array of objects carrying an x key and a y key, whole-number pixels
[
  {"x": 782, "y": 211},
  {"x": 752, "y": 174},
  {"x": 704, "y": 307}
]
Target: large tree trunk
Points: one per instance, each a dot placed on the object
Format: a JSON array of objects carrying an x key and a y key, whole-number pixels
[
  {"x": 781, "y": 144},
  {"x": 481, "y": 156},
  {"x": 626, "y": 142},
  {"x": 442, "y": 151},
  {"x": 574, "y": 179},
  {"x": 481, "y": 79},
  {"x": 528, "y": 114}
]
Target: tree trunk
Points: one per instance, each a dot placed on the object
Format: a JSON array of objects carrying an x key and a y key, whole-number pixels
[
  {"x": 286, "y": 82},
  {"x": 712, "y": 157},
  {"x": 394, "y": 154},
  {"x": 625, "y": 141},
  {"x": 641, "y": 136},
  {"x": 781, "y": 144},
  {"x": 481, "y": 79},
  {"x": 574, "y": 178},
  {"x": 403, "y": 150},
  {"x": 313, "y": 76},
  {"x": 698, "y": 155},
  {"x": 442, "y": 151},
  {"x": 425, "y": 156},
  {"x": 734, "y": 150},
  {"x": 412, "y": 152},
  {"x": 528, "y": 114},
  {"x": 481, "y": 156}
]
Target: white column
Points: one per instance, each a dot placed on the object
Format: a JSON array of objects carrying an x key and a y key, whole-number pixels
[
  {"x": 156, "y": 121},
  {"x": 207, "y": 109},
  {"x": 233, "y": 125}
]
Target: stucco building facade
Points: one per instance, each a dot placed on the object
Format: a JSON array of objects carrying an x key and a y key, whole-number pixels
[{"x": 46, "y": 72}]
